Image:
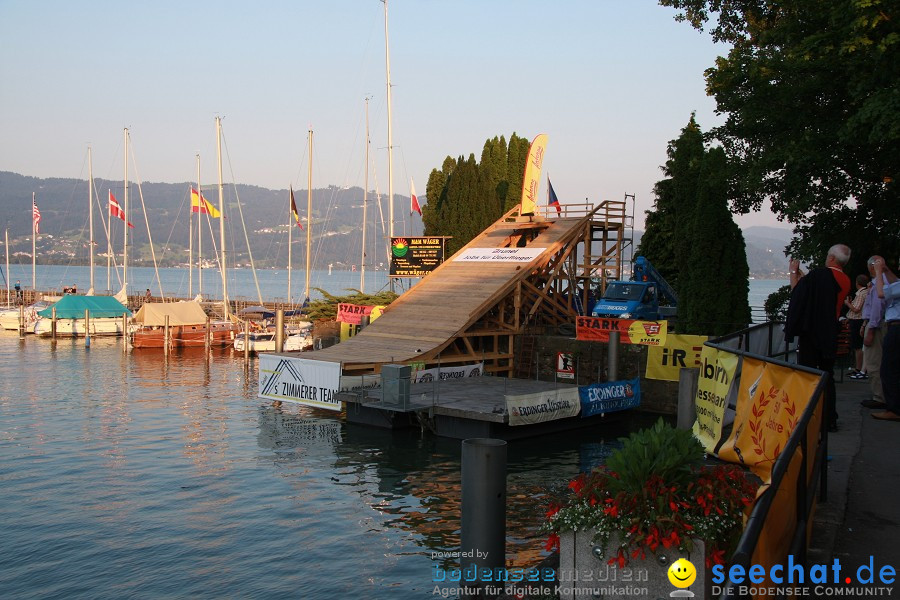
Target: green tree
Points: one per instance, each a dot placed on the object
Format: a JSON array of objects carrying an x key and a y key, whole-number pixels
[
  {"x": 666, "y": 242},
  {"x": 715, "y": 282},
  {"x": 812, "y": 104}
]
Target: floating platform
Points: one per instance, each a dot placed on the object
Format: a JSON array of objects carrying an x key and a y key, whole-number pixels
[{"x": 460, "y": 408}]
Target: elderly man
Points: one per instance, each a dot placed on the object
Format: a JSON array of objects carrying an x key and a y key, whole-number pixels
[
  {"x": 887, "y": 287},
  {"x": 813, "y": 312}
]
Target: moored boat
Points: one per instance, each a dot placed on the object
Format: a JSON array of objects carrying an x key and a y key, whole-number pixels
[
  {"x": 105, "y": 314},
  {"x": 188, "y": 326}
]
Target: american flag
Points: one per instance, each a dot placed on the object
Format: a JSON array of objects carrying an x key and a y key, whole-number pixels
[{"x": 36, "y": 216}]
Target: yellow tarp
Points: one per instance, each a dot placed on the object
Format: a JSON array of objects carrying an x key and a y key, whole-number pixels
[{"x": 179, "y": 313}]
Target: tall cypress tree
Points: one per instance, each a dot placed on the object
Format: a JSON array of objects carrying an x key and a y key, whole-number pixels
[{"x": 714, "y": 280}]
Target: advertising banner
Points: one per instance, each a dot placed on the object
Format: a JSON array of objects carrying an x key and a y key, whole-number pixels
[
  {"x": 717, "y": 369},
  {"x": 665, "y": 362},
  {"x": 445, "y": 373},
  {"x": 352, "y": 313},
  {"x": 610, "y": 396},
  {"x": 597, "y": 329},
  {"x": 500, "y": 254},
  {"x": 416, "y": 256},
  {"x": 309, "y": 382},
  {"x": 770, "y": 402},
  {"x": 551, "y": 405},
  {"x": 532, "y": 178}
]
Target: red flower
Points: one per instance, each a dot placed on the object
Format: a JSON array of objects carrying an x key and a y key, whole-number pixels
[{"x": 552, "y": 543}]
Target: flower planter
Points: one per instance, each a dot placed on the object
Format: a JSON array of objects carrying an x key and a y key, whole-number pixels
[{"x": 585, "y": 572}]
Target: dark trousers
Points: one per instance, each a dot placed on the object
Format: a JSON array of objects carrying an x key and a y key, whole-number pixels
[
  {"x": 809, "y": 355},
  {"x": 890, "y": 367}
]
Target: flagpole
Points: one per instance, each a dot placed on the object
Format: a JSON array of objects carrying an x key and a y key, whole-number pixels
[
  {"x": 290, "y": 241},
  {"x": 199, "y": 230},
  {"x": 387, "y": 60},
  {"x": 109, "y": 248},
  {"x": 308, "y": 216},
  {"x": 91, "y": 211},
  {"x": 222, "y": 216},
  {"x": 34, "y": 227},
  {"x": 125, "y": 237},
  {"x": 362, "y": 260}
]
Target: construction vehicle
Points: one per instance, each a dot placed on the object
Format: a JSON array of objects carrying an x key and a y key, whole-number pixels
[{"x": 640, "y": 298}]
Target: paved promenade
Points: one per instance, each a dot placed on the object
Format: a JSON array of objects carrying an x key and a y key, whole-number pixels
[{"x": 861, "y": 516}]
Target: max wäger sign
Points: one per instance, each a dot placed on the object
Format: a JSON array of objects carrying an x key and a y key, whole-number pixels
[
  {"x": 416, "y": 256},
  {"x": 310, "y": 382}
]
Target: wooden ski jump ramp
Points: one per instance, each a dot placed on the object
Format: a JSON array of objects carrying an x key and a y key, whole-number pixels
[{"x": 466, "y": 312}]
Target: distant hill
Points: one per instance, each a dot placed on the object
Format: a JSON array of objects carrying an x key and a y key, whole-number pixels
[
  {"x": 64, "y": 232},
  {"x": 337, "y": 224}
]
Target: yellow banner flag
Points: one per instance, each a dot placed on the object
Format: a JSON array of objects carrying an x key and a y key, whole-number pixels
[
  {"x": 717, "y": 369},
  {"x": 770, "y": 403},
  {"x": 199, "y": 204},
  {"x": 666, "y": 361},
  {"x": 533, "y": 174}
]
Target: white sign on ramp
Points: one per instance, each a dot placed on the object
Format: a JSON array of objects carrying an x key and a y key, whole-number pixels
[
  {"x": 310, "y": 382},
  {"x": 516, "y": 255}
]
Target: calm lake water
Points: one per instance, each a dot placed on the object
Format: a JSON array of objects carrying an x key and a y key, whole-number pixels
[{"x": 133, "y": 476}]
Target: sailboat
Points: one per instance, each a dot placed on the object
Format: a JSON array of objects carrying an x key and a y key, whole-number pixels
[
  {"x": 299, "y": 337},
  {"x": 189, "y": 326}
]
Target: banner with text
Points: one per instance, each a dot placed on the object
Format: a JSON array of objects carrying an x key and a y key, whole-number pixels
[
  {"x": 310, "y": 382},
  {"x": 445, "y": 373},
  {"x": 717, "y": 369},
  {"x": 770, "y": 402},
  {"x": 551, "y": 405},
  {"x": 665, "y": 362},
  {"x": 597, "y": 329},
  {"x": 516, "y": 255},
  {"x": 352, "y": 313},
  {"x": 416, "y": 256},
  {"x": 610, "y": 396}
]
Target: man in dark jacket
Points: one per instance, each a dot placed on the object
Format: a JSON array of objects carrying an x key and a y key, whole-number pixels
[{"x": 812, "y": 318}]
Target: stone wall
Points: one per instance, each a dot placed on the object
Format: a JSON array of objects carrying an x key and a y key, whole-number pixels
[{"x": 591, "y": 367}]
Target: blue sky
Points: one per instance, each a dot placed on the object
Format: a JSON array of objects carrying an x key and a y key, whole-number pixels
[{"x": 609, "y": 82}]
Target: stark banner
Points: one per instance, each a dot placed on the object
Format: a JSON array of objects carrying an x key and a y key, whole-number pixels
[{"x": 597, "y": 329}]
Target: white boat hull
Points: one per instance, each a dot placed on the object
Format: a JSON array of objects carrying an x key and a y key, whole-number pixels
[
  {"x": 111, "y": 326},
  {"x": 265, "y": 342}
]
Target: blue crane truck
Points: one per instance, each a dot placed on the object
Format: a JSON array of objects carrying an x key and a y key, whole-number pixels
[{"x": 640, "y": 298}]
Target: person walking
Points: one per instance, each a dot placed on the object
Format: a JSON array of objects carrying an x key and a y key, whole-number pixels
[
  {"x": 812, "y": 318},
  {"x": 18, "y": 287},
  {"x": 887, "y": 288}
]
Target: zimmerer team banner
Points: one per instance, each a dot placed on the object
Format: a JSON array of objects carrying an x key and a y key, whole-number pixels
[
  {"x": 303, "y": 381},
  {"x": 680, "y": 351},
  {"x": 597, "y": 329},
  {"x": 717, "y": 369}
]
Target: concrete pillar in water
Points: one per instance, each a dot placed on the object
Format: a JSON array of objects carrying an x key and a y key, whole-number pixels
[{"x": 483, "y": 527}]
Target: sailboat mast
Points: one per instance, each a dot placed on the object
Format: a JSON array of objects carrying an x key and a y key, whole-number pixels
[
  {"x": 34, "y": 227},
  {"x": 199, "y": 230},
  {"x": 6, "y": 245},
  {"x": 125, "y": 238},
  {"x": 362, "y": 260},
  {"x": 91, "y": 212},
  {"x": 308, "y": 216},
  {"x": 221, "y": 216},
  {"x": 387, "y": 58},
  {"x": 290, "y": 241}
]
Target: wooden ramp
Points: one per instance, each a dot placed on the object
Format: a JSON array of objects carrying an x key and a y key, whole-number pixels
[{"x": 468, "y": 312}]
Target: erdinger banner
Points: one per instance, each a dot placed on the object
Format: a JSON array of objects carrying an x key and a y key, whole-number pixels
[
  {"x": 609, "y": 396},
  {"x": 445, "y": 373},
  {"x": 550, "y": 405},
  {"x": 597, "y": 329}
]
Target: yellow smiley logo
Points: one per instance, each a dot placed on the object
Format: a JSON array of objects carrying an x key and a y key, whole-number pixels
[{"x": 682, "y": 573}]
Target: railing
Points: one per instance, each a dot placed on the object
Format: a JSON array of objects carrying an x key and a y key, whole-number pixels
[{"x": 765, "y": 342}]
